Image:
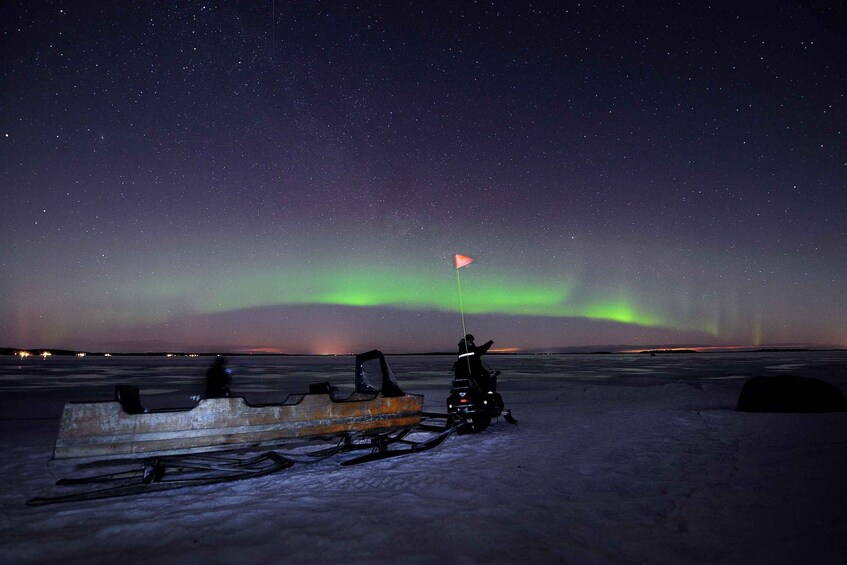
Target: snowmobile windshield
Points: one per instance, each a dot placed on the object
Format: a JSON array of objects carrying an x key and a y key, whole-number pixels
[{"x": 373, "y": 375}]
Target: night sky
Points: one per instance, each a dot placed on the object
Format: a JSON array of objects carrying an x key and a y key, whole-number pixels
[{"x": 296, "y": 176}]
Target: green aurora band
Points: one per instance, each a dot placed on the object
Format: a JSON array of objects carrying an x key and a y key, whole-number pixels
[{"x": 361, "y": 287}]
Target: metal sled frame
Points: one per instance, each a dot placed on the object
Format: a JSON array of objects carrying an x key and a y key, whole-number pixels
[{"x": 155, "y": 474}]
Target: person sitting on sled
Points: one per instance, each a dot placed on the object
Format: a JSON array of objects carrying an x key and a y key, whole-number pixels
[
  {"x": 218, "y": 378},
  {"x": 470, "y": 363}
]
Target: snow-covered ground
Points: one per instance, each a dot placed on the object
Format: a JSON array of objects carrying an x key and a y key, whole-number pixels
[{"x": 616, "y": 458}]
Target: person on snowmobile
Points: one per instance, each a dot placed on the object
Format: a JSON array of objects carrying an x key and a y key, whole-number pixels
[
  {"x": 470, "y": 362},
  {"x": 488, "y": 403}
]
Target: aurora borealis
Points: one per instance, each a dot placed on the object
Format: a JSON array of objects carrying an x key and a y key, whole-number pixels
[{"x": 269, "y": 176}]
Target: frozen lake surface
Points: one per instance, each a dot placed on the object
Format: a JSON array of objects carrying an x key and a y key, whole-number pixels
[{"x": 617, "y": 458}]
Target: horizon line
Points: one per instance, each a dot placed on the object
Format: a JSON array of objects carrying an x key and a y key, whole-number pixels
[{"x": 559, "y": 350}]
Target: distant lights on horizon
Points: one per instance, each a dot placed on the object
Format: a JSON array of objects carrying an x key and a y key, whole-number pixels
[
  {"x": 45, "y": 354},
  {"x": 25, "y": 354}
]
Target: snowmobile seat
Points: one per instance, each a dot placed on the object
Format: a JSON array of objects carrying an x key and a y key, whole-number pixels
[
  {"x": 130, "y": 399},
  {"x": 463, "y": 383}
]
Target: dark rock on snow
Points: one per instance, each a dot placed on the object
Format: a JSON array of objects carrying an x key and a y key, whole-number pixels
[{"x": 788, "y": 393}]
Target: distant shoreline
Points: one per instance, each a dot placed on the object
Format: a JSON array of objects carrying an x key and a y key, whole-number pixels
[{"x": 38, "y": 352}]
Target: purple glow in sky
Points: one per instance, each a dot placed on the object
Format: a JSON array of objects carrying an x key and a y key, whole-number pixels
[{"x": 297, "y": 176}]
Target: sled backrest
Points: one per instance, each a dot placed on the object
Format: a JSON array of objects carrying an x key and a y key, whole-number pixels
[
  {"x": 130, "y": 399},
  {"x": 374, "y": 376}
]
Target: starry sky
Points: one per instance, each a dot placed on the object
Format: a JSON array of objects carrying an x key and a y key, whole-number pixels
[{"x": 296, "y": 176}]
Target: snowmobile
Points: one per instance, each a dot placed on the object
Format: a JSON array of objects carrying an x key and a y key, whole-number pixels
[{"x": 475, "y": 399}]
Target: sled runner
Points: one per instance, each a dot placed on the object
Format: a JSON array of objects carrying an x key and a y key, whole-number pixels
[{"x": 155, "y": 474}]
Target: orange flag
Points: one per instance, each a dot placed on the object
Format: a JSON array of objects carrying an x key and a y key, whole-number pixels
[{"x": 462, "y": 261}]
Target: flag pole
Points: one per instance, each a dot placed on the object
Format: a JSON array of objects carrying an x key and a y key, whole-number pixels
[
  {"x": 461, "y": 305},
  {"x": 461, "y": 261}
]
